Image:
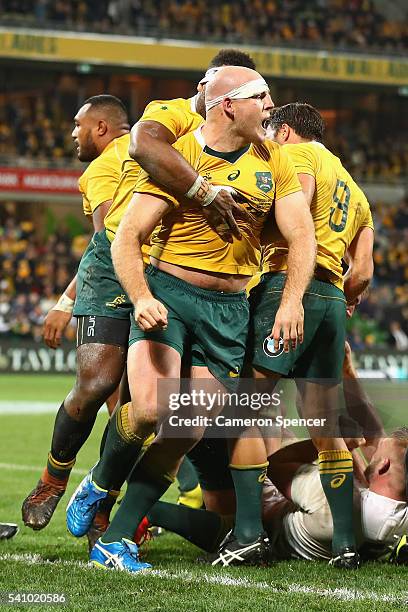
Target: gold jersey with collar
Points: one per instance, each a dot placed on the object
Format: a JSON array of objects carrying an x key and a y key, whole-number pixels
[
  {"x": 259, "y": 175},
  {"x": 100, "y": 180},
  {"x": 339, "y": 209},
  {"x": 179, "y": 116}
]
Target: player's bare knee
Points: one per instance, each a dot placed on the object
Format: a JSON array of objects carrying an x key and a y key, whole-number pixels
[
  {"x": 143, "y": 420},
  {"x": 91, "y": 391}
]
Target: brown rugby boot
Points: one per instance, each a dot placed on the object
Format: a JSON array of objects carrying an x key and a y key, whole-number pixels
[{"x": 39, "y": 506}]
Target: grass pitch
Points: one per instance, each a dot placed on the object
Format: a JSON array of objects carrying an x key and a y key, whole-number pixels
[{"x": 52, "y": 561}]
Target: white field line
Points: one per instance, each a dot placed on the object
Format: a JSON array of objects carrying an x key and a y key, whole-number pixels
[
  {"x": 32, "y": 468},
  {"x": 340, "y": 594},
  {"x": 8, "y": 407}
]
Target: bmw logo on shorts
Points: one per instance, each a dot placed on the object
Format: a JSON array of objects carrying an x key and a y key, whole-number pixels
[{"x": 269, "y": 347}]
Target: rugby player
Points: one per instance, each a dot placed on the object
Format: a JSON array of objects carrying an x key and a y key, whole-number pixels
[
  {"x": 296, "y": 514},
  {"x": 101, "y": 134},
  {"x": 103, "y": 309},
  {"x": 202, "y": 289},
  {"x": 344, "y": 227}
]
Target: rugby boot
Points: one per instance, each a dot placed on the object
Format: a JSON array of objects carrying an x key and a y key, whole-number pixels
[
  {"x": 8, "y": 530},
  {"x": 39, "y": 506},
  {"x": 83, "y": 506},
  {"x": 348, "y": 558},
  {"x": 122, "y": 556},
  {"x": 101, "y": 520},
  {"x": 231, "y": 552}
]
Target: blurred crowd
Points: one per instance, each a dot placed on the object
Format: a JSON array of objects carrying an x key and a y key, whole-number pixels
[
  {"x": 367, "y": 153},
  {"x": 336, "y": 24},
  {"x": 382, "y": 318},
  {"x": 34, "y": 272},
  {"x": 36, "y": 129}
]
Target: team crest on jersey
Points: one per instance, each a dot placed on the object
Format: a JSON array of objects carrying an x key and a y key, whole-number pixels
[
  {"x": 269, "y": 347},
  {"x": 264, "y": 181}
]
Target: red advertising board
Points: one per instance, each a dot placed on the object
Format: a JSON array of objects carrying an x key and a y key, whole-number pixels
[{"x": 39, "y": 180}]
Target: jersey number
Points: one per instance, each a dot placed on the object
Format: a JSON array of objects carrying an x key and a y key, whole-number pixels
[{"x": 341, "y": 197}]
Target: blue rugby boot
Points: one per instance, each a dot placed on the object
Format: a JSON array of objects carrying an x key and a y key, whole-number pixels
[
  {"x": 123, "y": 556},
  {"x": 83, "y": 506}
]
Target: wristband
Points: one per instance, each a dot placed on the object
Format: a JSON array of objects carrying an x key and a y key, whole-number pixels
[
  {"x": 195, "y": 187},
  {"x": 205, "y": 193},
  {"x": 65, "y": 304},
  {"x": 201, "y": 191}
]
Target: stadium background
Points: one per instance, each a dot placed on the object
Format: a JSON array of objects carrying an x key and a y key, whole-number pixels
[{"x": 346, "y": 58}]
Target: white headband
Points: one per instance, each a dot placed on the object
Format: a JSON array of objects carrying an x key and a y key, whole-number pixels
[
  {"x": 209, "y": 75},
  {"x": 246, "y": 90}
]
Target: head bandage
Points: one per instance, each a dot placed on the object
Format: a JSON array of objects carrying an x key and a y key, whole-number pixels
[
  {"x": 209, "y": 75},
  {"x": 244, "y": 91}
]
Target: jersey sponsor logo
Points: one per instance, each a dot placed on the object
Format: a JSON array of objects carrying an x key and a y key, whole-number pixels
[
  {"x": 119, "y": 299},
  {"x": 90, "y": 332},
  {"x": 234, "y": 175},
  {"x": 337, "y": 481},
  {"x": 269, "y": 347},
  {"x": 164, "y": 107},
  {"x": 264, "y": 181}
]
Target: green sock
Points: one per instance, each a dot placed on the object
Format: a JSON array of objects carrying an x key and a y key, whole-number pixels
[
  {"x": 248, "y": 483},
  {"x": 121, "y": 449},
  {"x": 145, "y": 488},
  {"x": 201, "y": 527},
  {"x": 187, "y": 476},
  {"x": 336, "y": 476}
]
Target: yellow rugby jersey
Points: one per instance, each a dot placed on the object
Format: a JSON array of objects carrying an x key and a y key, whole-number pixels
[
  {"x": 99, "y": 181},
  {"x": 258, "y": 174},
  {"x": 339, "y": 209},
  {"x": 179, "y": 116}
]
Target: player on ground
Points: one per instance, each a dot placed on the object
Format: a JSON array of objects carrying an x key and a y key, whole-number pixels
[
  {"x": 343, "y": 225},
  {"x": 203, "y": 290},
  {"x": 296, "y": 514},
  {"x": 101, "y": 134},
  {"x": 104, "y": 308}
]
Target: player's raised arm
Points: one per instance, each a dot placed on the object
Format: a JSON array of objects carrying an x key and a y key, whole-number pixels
[
  {"x": 296, "y": 226},
  {"x": 361, "y": 265},
  {"x": 142, "y": 216}
]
